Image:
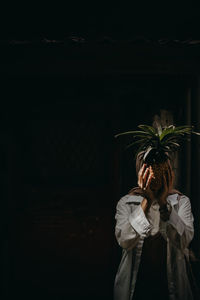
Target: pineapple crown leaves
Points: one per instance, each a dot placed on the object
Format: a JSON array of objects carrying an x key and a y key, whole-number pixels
[{"x": 158, "y": 141}]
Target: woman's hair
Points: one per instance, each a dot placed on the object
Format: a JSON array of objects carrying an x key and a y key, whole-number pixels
[{"x": 139, "y": 161}]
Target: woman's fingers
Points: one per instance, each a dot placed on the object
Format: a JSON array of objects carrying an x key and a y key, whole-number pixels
[
  {"x": 145, "y": 177},
  {"x": 142, "y": 170},
  {"x": 140, "y": 175},
  {"x": 151, "y": 176}
]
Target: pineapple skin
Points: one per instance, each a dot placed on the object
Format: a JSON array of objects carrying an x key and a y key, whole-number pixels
[{"x": 159, "y": 170}]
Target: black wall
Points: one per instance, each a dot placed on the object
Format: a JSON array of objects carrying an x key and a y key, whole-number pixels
[{"x": 62, "y": 170}]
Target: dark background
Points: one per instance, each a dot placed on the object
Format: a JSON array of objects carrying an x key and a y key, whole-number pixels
[
  {"x": 175, "y": 19},
  {"x": 71, "y": 78}
]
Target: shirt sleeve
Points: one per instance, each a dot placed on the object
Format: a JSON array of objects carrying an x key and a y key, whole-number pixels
[
  {"x": 179, "y": 227},
  {"x": 130, "y": 226}
]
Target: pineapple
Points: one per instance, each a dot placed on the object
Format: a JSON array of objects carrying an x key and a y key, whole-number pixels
[
  {"x": 159, "y": 169},
  {"x": 156, "y": 146}
]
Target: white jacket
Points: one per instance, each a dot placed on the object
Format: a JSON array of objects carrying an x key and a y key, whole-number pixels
[{"x": 132, "y": 226}]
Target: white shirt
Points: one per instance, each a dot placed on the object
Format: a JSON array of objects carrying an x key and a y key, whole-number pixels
[{"x": 132, "y": 226}]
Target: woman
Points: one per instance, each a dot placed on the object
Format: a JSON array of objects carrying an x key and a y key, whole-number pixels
[{"x": 154, "y": 227}]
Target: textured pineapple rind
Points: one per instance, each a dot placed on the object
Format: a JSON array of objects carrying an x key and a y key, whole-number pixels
[{"x": 159, "y": 170}]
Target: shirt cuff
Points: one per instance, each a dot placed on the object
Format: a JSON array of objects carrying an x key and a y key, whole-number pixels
[
  {"x": 176, "y": 221},
  {"x": 139, "y": 221}
]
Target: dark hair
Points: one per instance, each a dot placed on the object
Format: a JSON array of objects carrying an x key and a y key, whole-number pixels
[{"x": 139, "y": 161}]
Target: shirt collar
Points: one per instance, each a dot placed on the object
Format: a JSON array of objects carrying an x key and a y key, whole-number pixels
[{"x": 172, "y": 199}]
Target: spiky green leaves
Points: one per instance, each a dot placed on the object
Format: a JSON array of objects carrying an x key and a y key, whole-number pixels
[{"x": 156, "y": 142}]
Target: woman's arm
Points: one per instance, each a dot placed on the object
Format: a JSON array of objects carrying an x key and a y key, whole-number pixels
[
  {"x": 130, "y": 226},
  {"x": 179, "y": 227}
]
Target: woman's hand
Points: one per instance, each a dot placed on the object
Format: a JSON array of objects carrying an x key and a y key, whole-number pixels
[{"x": 145, "y": 176}]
